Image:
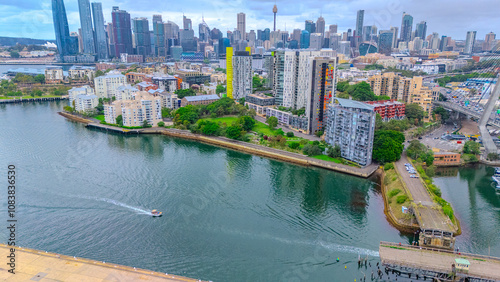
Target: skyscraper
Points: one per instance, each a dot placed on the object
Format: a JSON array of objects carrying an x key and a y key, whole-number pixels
[
  {"x": 394, "y": 31},
  {"x": 242, "y": 74},
  {"x": 489, "y": 39},
  {"x": 122, "y": 32},
  {"x": 406, "y": 27},
  {"x": 241, "y": 25},
  {"x": 157, "y": 18},
  {"x": 359, "y": 23},
  {"x": 159, "y": 36},
  {"x": 275, "y": 10},
  {"x": 63, "y": 40},
  {"x": 320, "y": 26},
  {"x": 86, "y": 24},
  {"x": 203, "y": 31},
  {"x": 142, "y": 37},
  {"x": 310, "y": 26},
  {"x": 304, "y": 39},
  {"x": 111, "y": 39},
  {"x": 187, "y": 23},
  {"x": 421, "y": 30},
  {"x": 101, "y": 45},
  {"x": 385, "y": 42},
  {"x": 469, "y": 42},
  {"x": 333, "y": 28}
]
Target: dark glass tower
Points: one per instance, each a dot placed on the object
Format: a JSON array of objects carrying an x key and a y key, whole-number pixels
[
  {"x": 142, "y": 37},
  {"x": 122, "y": 32},
  {"x": 406, "y": 26},
  {"x": 64, "y": 43},
  {"x": 100, "y": 32},
  {"x": 86, "y": 24}
]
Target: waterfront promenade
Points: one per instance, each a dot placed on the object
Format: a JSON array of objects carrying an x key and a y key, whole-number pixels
[
  {"x": 34, "y": 265},
  {"x": 428, "y": 213}
]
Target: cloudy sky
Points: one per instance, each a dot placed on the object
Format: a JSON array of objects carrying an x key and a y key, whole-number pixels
[{"x": 33, "y": 18}]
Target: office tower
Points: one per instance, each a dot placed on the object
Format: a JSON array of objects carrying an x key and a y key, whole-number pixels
[
  {"x": 186, "y": 23},
  {"x": 122, "y": 32},
  {"x": 296, "y": 35},
  {"x": 242, "y": 74},
  {"x": 203, "y": 31},
  {"x": 111, "y": 40},
  {"x": 80, "y": 40},
  {"x": 443, "y": 43},
  {"x": 385, "y": 38},
  {"x": 215, "y": 34},
  {"x": 421, "y": 30},
  {"x": 275, "y": 10},
  {"x": 469, "y": 42},
  {"x": 366, "y": 33},
  {"x": 186, "y": 37},
  {"x": 335, "y": 39},
  {"x": 86, "y": 24},
  {"x": 315, "y": 41},
  {"x": 101, "y": 44},
  {"x": 252, "y": 37},
  {"x": 351, "y": 125},
  {"x": 157, "y": 18},
  {"x": 171, "y": 30},
  {"x": 266, "y": 35},
  {"x": 159, "y": 37},
  {"x": 489, "y": 40},
  {"x": 333, "y": 28},
  {"x": 321, "y": 90},
  {"x": 394, "y": 31},
  {"x": 229, "y": 71},
  {"x": 320, "y": 26},
  {"x": 434, "y": 42},
  {"x": 406, "y": 27},
  {"x": 142, "y": 37},
  {"x": 304, "y": 39},
  {"x": 359, "y": 23},
  {"x": 310, "y": 26},
  {"x": 241, "y": 25},
  {"x": 63, "y": 40}
]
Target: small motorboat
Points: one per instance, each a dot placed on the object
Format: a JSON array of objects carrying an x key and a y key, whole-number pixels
[{"x": 156, "y": 213}]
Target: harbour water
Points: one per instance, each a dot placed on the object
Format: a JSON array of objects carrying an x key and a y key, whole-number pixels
[{"x": 228, "y": 216}]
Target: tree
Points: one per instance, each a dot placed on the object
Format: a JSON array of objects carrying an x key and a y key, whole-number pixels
[
  {"x": 343, "y": 95},
  {"x": 246, "y": 122},
  {"x": 442, "y": 112},
  {"x": 119, "y": 120},
  {"x": 334, "y": 152},
  {"x": 233, "y": 131},
  {"x": 98, "y": 73},
  {"x": 361, "y": 92},
  {"x": 145, "y": 123},
  {"x": 311, "y": 150},
  {"x": 181, "y": 93},
  {"x": 256, "y": 82},
  {"x": 415, "y": 112},
  {"x": 319, "y": 133},
  {"x": 342, "y": 86},
  {"x": 40, "y": 78},
  {"x": 14, "y": 54},
  {"x": 210, "y": 128},
  {"x": 492, "y": 156},
  {"x": 68, "y": 109},
  {"x": 472, "y": 147},
  {"x": 37, "y": 92},
  {"x": 387, "y": 146},
  {"x": 165, "y": 112},
  {"x": 383, "y": 97},
  {"x": 289, "y": 134},
  {"x": 220, "y": 89},
  {"x": 272, "y": 122}
]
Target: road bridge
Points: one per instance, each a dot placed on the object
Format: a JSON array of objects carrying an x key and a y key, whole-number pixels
[{"x": 438, "y": 263}]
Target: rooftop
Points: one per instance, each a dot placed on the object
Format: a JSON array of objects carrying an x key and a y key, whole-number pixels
[
  {"x": 353, "y": 104},
  {"x": 201, "y": 98}
]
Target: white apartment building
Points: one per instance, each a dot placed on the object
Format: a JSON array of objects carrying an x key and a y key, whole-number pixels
[
  {"x": 124, "y": 92},
  {"x": 143, "y": 106},
  {"x": 54, "y": 74},
  {"x": 75, "y": 91},
  {"x": 86, "y": 103},
  {"x": 80, "y": 72},
  {"x": 242, "y": 75},
  {"x": 106, "y": 85}
]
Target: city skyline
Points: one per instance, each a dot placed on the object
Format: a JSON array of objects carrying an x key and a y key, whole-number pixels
[{"x": 452, "y": 20}]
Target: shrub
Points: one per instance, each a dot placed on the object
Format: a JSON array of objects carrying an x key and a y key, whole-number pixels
[
  {"x": 401, "y": 199},
  {"x": 440, "y": 201},
  {"x": 303, "y": 142},
  {"x": 394, "y": 192},
  {"x": 315, "y": 142},
  {"x": 265, "y": 137},
  {"x": 388, "y": 166},
  {"x": 290, "y": 134},
  {"x": 161, "y": 124},
  {"x": 448, "y": 211},
  {"x": 435, "y": 190},
  {"x": 294, "y": 145},
  {"x": 311, "y": 150}
]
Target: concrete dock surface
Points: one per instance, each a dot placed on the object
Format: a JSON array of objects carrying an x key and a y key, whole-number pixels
[{"x": 34, "y": 265}]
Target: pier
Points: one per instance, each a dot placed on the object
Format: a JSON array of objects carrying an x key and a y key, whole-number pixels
[
  {"x": 25, "y": 100},
  {"x": 44, "y": 266},
  {"x": 440, "y": 264}
]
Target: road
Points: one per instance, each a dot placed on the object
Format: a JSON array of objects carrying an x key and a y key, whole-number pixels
[{"x": 428, "y": 213}]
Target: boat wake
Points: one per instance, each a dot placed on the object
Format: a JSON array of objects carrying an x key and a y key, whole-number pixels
[{"x": 120, "y": 204}]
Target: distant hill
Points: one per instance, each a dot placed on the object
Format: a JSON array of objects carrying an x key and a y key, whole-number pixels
[{"x": 11, "y": 41}]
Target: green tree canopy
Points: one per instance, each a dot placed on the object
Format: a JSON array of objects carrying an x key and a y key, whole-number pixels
[
  {"x": 39, "y": 78},
  {"x": 272, "y": 122},
  {"x": 387, "y": 146},
  {"x": 442, "y": 112},
  {"x": 181, "y": 93},
  {"x": 361, "y": 92},
  {"x": 246, "y": 122},
  {"x": 220, "y": 89},
  {"x": 234, "y": 131},
  {"x": 472, "y": 147},
  {"x": 415, "y": 112}
]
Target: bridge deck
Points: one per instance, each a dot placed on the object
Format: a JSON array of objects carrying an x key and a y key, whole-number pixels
[
  {"x": 429, "y": 214},
  {"x": 41, "y": 266},
  {"x": 438, "y": 260}
]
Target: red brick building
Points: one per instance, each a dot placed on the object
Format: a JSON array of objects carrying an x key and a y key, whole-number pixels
[{"x": 389, "y": 109}]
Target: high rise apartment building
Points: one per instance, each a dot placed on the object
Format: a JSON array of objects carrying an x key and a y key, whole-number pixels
[
  {"x": 106, "y": 85},
  {"x": 101, "y": 44},
  {"x": 242, "y": 74},
  {"x": 143, "y": 106},
  {"x": 241, "y": 25},
  {"x": 359, "y": 22},
  {"x": 351, "y": 126},
  {"x": 469, "y": 42},
  {"x": 86, "y": 24}
]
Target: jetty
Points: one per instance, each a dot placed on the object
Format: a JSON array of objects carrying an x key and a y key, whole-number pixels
[
  {"x": 27, "y": 100},
  {"x": 35, "y": 265}
]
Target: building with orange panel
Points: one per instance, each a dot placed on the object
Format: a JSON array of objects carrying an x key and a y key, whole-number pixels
[{"x": 446, "y": 159}]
